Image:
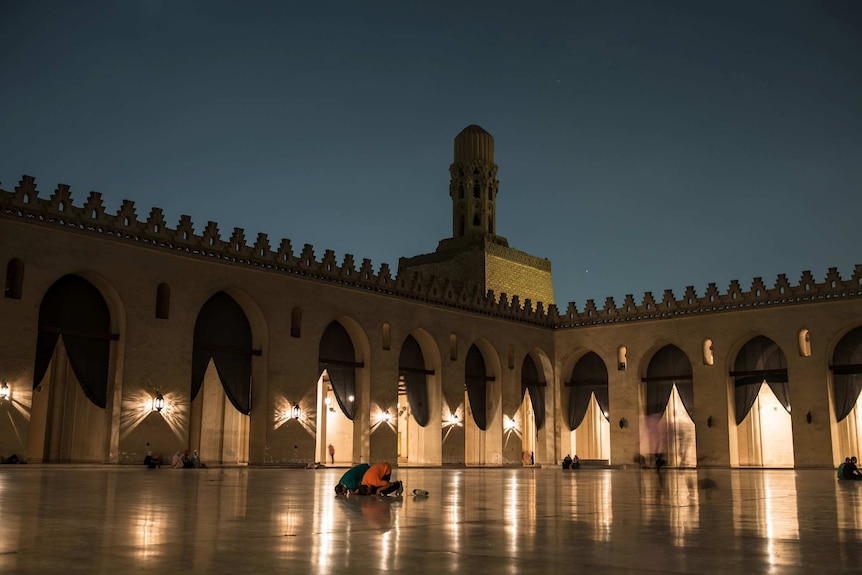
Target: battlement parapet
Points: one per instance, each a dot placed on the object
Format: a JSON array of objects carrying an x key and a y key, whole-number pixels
[
  {"x": 808, "y": 290},
  {"x": 24, "y": 204}
]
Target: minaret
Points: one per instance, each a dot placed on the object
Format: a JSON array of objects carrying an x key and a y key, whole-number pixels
[
  {"x": 475, "y": 257},
  {"x": 473, "y": 184}
]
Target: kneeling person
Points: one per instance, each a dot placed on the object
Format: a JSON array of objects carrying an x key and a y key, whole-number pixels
[
  {"x": 352, "y": 479},
  {"x": 376, "y": 480}
]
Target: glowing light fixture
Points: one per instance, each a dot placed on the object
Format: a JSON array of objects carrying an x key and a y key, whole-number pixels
[
  {"x": 5, "y": 391},
  {"x": 296, "y": 412},
  {"x": 386, "y": 416},
  {"x": 328, "y": 400},
  {"x": 350, "y": 398},
  {"x": 511, "y": 424},
  {"x": 158, "y": 402}
]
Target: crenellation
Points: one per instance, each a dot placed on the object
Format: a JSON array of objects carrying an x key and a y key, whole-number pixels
[
  {"x": 126, "y": 215},
  {"x": 306, "y": 258},
  {"x": 285, "y": 252},
  {"x": 211, "y": 236},
  {"x": 61, "y": 199},
  {"x": 348, "y": 268},
  {"x": 156, "y": 222},
  {"x": 668, "y": 301},
  {"x": 25, "y": 191},
  {"x": 366, "y": 272},
  {"x": 384, "y": 276},
  {"x": 806, "y": 282},
  {"x": 60, "y": 210},
  {"x": 94, "y": 208},
  {"x": 237, "y": 242},
  {"x": 261, "y": 247}
]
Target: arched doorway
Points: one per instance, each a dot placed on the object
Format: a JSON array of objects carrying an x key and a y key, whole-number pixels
[
  {"x": 532, "y": 409},
  {"x": 764, "y": 427},
  {"x": 69, "y": 416},
  {"x": 847, "y": 393},
  {"x": 336, "y": 395},
  {"x": 415, "y": 407},
  {"x": 589, "y": 409},
  {"x": 221, "y": 387},
  {"x": 668, "y": 427},
  {"x": 482, "y": 406}
]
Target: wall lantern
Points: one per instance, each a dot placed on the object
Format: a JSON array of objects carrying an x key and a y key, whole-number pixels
[
  {"x": 5, "y": 392},
  {"x": 623, "y": 423},
  {"x": 709, "y": 421},
  {"x": 350, "y": 398},
  {"x": 158, "y": 402},
  {"x": 296, "y": 412}
]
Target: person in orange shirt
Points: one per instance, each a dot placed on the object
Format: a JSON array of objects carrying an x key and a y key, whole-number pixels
[{"x": 377, "y": 481}]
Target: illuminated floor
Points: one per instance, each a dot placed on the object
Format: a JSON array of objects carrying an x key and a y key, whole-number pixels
[{"x": 118, "y": 519}]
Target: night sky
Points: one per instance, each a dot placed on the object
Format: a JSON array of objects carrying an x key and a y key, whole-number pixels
[{"x": 642, "y": 146}]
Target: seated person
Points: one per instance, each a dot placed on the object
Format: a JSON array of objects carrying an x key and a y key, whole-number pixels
[
  {"x": 576, "y": 462},
  {"x": 196, "y": 460},
  {"x": 377, "y": 480},
  {"x": 851, "y": 471},
  {"x": 841, "y": 467},
  {"x": 352, "y": 479},
  {"x": 152, "y": 461},
  {"x": 567, "y": 461}
]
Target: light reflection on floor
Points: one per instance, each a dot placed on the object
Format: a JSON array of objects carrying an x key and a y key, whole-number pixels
[{"x": 118, "y": 519}]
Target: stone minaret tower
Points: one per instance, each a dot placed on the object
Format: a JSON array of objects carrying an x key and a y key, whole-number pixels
[
  {"x": 475, "y": 257},
  {"x": 473, "y": 184}
]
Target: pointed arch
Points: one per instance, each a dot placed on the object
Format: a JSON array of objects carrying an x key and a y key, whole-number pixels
[
  {"x": 533, "y": 382},
  {"x": 847, "y": 372},
  {"x": 337, "y": 356},
  {"x": 669, "y": 366},
  {"x": 476, "y": 380},
  {"x": 759, "y": 360},
  {"x": 589, "y": 377},
  {"x": 223, "y": 334},
  {"x": 74, "y": 309},
  {"x": 411, "y": 366}
]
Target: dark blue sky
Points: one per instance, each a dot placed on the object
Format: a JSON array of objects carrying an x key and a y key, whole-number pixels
[{"x": 655, "y": 144}]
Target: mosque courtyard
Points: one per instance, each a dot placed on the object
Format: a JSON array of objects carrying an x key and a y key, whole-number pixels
[{"x": 123, "y": 519}]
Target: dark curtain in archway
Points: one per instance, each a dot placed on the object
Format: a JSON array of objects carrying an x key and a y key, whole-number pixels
[
  {"x": 337, "y": 357},
  {"x": 475, "y": 378},
  {"x": 75, "y": 309},
  {"x": 223, "y": 334},
  {"x": 533, "y": 382},
  {"x": 668, "y": 367},
  {"x": 847, "y": 373},
  {"x": 589, "y": 376},
  {"x": 759, "y": 360},
  {"x": 411, "y": 365}
]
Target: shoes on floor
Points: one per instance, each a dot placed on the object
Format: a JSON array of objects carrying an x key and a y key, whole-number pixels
[
  {"x": 420, "y": 493},
  {"x": 400, "y": 489}
]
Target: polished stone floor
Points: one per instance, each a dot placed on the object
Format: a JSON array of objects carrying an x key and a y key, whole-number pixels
[{"x": 102, "y": 519}]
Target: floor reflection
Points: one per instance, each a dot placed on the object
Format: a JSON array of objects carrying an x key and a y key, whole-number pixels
[{"x": 117, "y": 519}]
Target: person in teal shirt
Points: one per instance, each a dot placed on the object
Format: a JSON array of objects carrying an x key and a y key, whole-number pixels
[{"x": 352, "y": 479}]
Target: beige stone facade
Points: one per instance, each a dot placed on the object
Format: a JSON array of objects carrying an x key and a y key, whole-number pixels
[{"x": 155, "y": 280}]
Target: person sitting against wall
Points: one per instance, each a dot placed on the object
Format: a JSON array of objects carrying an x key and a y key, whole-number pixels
[
  {"x": 567, "y": 461},
  {"x": 377, "y": 481},
  {"x": 576, "y": 461},
  {"x": 841, "y": 467},
  {"x": 152, "y": 461},
  {"x": 851, "y": 471}
]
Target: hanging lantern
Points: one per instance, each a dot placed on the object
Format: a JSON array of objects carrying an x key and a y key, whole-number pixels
[
  {"x": 158, "y": 402},
  {"x": 296, "y": 412},
  {"x": 4, "y": 391}
]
